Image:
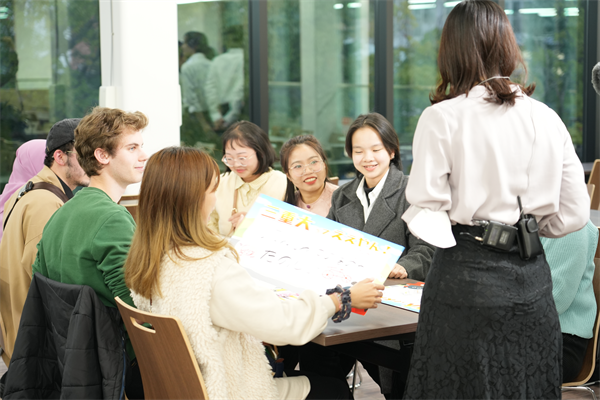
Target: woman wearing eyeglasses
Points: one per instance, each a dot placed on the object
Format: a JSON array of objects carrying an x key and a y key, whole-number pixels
[
  {"x": 249, "y": 157},
  {"x": 305, "y": 164}
]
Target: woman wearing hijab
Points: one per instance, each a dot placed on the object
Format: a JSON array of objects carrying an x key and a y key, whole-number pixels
[{"x": 29, "y": 161}]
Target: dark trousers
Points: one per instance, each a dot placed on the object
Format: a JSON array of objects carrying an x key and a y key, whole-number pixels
[
  {"x": 327, "y": 361},
  {"x": 574, "y": 349},
  {"x": 133, "y": 381},
  {"x": 291, "y": 357}
]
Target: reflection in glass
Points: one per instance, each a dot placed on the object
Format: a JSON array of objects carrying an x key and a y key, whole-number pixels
[
  {"x": 49, "y": 66},
  {"x": 321, "y": 56},
  {"x": 213, "y": 51},
  {"x": 550, "y": 34}
]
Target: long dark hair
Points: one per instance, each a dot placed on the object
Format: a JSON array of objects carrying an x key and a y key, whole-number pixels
[
  {"x": 478, "y": 43},
  {"x": 284, "y": 156},
  {"x": 384, "y": 129}
]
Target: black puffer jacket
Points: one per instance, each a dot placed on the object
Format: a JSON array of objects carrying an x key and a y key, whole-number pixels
[{"x": 69, "y": 346}]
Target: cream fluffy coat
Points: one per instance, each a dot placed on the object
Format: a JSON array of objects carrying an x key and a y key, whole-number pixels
[
  {"x": 216, "y": 300},
  {"x": 233, "y": 364}
]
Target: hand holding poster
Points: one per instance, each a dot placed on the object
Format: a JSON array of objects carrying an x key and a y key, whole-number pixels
[{"x": 301, "y": 250}]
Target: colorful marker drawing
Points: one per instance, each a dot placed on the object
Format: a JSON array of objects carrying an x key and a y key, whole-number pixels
[
  {"x": 285, "y": 294},
  {"x": 407, "y": 296},
  {"x": 303, "y": 250}
]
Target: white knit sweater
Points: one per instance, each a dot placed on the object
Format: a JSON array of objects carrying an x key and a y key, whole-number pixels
[{"x": 226, "y": 316}]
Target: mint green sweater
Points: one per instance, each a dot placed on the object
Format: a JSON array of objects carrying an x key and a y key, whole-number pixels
[
  {"x": 571, "y": 260},
  {"x": 86, "y": 242}
]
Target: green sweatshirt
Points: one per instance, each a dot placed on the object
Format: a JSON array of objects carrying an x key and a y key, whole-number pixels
[{"x": 86, "y": 242}]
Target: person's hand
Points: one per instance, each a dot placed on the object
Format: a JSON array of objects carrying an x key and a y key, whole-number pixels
[
  {"x": 236, "y": 219},
  {"x": 366, "y": 294},
  {"x": 398, "y": 272}
]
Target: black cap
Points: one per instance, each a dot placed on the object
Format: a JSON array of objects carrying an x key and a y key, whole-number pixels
[{"x": 61, "y": 133}]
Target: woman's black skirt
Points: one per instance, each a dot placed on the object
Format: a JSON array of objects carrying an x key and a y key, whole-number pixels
[{"x": 488, "y": 327}]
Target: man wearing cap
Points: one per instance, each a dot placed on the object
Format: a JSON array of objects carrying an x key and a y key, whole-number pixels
[{"x": 25, "y": 220}]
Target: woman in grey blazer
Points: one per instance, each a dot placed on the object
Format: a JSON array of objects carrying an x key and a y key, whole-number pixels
[
  {"x": 375, "y": 150},
  {"x": 374, "y": 202}
]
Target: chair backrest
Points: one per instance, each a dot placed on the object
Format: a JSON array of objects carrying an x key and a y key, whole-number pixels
[
  {"x": 589, "y": 362},
  {"x": 595, "y": 180},
  {"x": 130, "y": 202},
  {"x": 129, "y": 198},
  {"x": 1, "y": 338},
  {"x": 167, "y": 363},
  {"x": 592, "y": 192}
]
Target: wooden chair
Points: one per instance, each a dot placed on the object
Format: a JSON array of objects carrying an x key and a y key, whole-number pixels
[
  {"x": 167, "y": 363},
  {"x": 592, "y": 192},
  {"x": 335, "y": 180},
  {"x": 130, "y": 202},
  {"x": 595, "y": 180},
  {"x": 589, "y": 363},
  {"x": 1, "y": 341}
]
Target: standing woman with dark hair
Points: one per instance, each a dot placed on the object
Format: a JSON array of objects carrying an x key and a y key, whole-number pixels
[
  {"x": 488, "y": 326},
  {"x": 249, "y": 157},
  {"x": 304, "y": 162}
]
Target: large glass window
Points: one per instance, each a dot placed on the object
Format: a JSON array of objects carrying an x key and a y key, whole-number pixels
[
  {"x": 213, "y": 69},
  {"x": 549, "y": 32},
  {"x": 320, "y": 72},
  {"x": 49, "y": 66}
]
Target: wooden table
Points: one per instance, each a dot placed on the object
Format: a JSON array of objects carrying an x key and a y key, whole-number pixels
[
  {"x": 376, "y": 323},
  {"x": 380, "y": 322},
  {"x": 355, "y": 336}
]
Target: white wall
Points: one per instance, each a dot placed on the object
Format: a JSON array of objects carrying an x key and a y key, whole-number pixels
[{"x": 140, "y": 66}]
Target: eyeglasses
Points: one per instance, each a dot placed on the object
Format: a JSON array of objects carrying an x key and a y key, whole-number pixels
[
  {"x": 230, "y": 161},
  {"x": 299, "y": 169}
]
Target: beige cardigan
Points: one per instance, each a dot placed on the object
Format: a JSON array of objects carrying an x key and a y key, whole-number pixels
[
  {"x": 226, "y": 315},
  {"x": 272, "y": 183},
  {"x": 18, "y": 250}
]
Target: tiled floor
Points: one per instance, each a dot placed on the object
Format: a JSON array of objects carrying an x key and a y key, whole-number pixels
[{"x": 369, "y": 390}]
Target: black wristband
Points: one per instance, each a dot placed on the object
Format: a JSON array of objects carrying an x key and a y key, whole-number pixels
[{"x": 346, "y": 306}]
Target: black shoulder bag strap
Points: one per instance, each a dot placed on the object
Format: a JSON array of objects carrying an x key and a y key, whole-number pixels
[{"x": 29, "y": 186}]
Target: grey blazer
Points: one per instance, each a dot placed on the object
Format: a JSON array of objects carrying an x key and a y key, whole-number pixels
[{"x": 384, "y": 220}]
